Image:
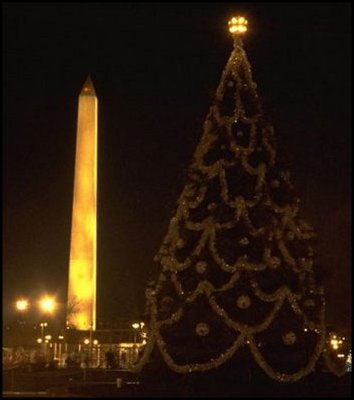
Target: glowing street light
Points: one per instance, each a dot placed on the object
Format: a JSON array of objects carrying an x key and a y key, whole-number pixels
[
  {"x": 47, "y": 304},
  {"x": 22, "y": 305}
]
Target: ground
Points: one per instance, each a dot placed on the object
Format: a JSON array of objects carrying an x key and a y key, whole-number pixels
[{"x": 103, "y": 383}]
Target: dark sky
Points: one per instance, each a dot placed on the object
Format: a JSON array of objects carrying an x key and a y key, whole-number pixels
[{"x": 155, "y": 67}]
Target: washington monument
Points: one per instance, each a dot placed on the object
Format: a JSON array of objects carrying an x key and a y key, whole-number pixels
[{"x": 81, "y": 307}]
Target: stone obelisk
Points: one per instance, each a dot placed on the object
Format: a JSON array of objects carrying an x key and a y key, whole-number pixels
[{"x": 81, "y": 307}]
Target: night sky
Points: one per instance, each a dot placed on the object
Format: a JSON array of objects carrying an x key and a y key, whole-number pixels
[{"x": 155, "y": 68}]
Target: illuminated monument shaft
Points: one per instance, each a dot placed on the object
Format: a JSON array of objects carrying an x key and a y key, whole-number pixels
[{"x": 81, "y": 312}]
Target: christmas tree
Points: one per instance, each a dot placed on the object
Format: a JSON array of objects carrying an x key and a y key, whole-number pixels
[{"x": 237, "y": 266}]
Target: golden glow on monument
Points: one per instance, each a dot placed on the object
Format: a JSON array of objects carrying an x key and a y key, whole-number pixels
[{"x": 82, "y": 270}]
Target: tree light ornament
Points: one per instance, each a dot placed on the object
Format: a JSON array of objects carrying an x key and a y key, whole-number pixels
[
  {"x": 274, "y": 262},
  {"x": 202, "y": 329},
  {"x": 243, "y": 302},
  {"x": 180, "y": 243},
  {"x": 201, "y": 267},
  {"x": 244, "y": 241},
  {"x": 212, "y": 206},
  {"x": 289, "y": 338},
  {"x": 238, "y": 25}
]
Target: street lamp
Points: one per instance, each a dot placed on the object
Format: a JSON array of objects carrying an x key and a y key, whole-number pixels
[
  {"x": 22, "y": 305},
  {"x": 43, "y": 325},
  {"x": 47, "y": 304},
  {"x": 135, "y": 326}
]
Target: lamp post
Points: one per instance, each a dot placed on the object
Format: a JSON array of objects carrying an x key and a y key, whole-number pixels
[
  {"x": 22, "y": 307},
  {"x": 43, "y": 325},
  {"x": 138, "y": 327},
  {"x": 21, "y": 333},
  {"x": 42, "y": 341},
  {"x": 90, "y": 348},
  {"x": 135, "y": 326},
  {"x": 47, "y": 304},
  {"x": 60, "y": 340}
]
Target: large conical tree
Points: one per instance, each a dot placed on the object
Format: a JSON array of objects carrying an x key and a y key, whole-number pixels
[{"x": 237, "y": 266}]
